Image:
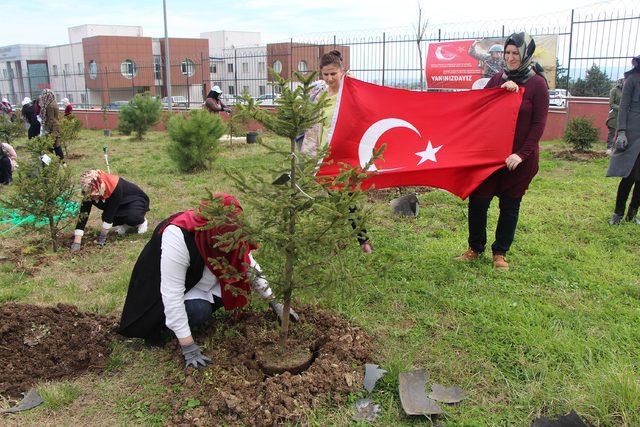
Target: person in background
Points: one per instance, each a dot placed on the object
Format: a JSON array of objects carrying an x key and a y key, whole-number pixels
[
  {"x": 214, "y": 103},
  {"x": 50, "y": 119},
  {"x": 68, "y": 106},
  {"x": 30, "y": 117},
  {"x": 332, "y": 73},
  {"x": 8, "y": 163},
  {"x": 612, "y": 118},
  {"x": 123, "y": 204},
  {"x": 625, "y": 160},
  {"x": 182, "y": 276},
  {"x": 5, "y": 108},
  {"x": 512, "y": 181}
]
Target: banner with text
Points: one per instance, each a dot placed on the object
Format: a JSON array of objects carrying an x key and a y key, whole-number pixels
[{"x": 469, "y": 64}]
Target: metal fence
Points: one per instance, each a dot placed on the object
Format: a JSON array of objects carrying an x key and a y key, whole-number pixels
[{"x": 605, "y": 34}]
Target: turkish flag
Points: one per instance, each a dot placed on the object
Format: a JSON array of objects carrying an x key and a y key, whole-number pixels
[{"x": 452, "y": 141}]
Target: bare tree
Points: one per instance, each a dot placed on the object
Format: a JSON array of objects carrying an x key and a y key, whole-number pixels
[{"x": 420, "y": 30}]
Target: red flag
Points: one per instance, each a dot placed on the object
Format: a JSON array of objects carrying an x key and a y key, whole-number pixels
[{"x": 452, "y": 141}]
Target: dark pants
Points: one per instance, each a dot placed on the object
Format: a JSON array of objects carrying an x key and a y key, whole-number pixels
[
  {"x": 611, "y": 138},
  {"x": 199, "y": 310},
  {"x": 507, "y": 222},
  {"x": 58, "y": 151},
  {"x": 5, "y": 170},
  {"x": 34, "y": 130},
  {"x": 623, "y": 194},
  {"x": 132, "y": 219}
]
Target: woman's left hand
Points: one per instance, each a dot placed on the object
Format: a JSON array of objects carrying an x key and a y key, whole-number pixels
[
  {"x": 513, "y": 161},
  {"x": 510, "y": 86}
]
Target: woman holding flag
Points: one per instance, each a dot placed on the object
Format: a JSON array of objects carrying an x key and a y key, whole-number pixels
[
  {"x": 510, "y": 183},
  {"x": 315, "y": 139}
]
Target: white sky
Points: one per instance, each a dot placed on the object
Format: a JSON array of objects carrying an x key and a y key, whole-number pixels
[{"x": 46, "y": 21}]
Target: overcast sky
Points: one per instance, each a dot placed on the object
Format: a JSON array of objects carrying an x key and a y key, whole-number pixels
[{"x": 46, "y": 21}]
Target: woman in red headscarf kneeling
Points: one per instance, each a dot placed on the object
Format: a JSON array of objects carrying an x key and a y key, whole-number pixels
[{"x": 175, "y": 285}]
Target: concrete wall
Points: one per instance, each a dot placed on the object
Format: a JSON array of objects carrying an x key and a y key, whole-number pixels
[
  {"x": 68, "y": 60},
  {"x": 594, "y": 108},
  {"x": 221, "y": 40},
  {"x": 76, "y": 34}
]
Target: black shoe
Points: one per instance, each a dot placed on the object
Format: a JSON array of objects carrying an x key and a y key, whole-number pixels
[
  {"x": 632, "y": 214},
  {"x": 615, "y": 219}
]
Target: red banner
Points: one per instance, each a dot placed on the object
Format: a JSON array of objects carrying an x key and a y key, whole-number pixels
[
  {"x": 452, "y": 141},
  {"x": 449, "y": 65}
]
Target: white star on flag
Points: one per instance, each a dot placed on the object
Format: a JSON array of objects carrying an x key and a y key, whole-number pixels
[{"x": 428, "y": 154}]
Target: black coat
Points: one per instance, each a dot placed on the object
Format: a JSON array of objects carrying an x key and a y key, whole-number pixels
[{"x": 143, "y": 312}]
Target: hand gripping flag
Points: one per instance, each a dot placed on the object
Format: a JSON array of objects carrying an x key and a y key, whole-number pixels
[{"x": 452, "y": 141}]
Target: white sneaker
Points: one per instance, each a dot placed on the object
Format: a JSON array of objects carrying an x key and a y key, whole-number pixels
[
  {"x": 142, "y": 228},
  {"x": 121, "y": 230}
]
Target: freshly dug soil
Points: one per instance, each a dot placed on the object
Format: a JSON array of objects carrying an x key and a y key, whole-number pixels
[
  {"x": 580, "y": 156},
  {"x": 46, "y": 343},
  {"x": 235, "y": 391}
]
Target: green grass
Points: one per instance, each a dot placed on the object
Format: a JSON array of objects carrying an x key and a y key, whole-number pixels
[{"x": 560, "y": 331}]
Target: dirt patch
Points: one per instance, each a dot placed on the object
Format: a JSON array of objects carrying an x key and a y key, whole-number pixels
[
  {"x": 47, "y": 343},
  {"x": 388, "y": 194},
  {"x": 578, "y": 156},
  {"x": 74, "y": 156},
  {"x": 234, "y": 390}
]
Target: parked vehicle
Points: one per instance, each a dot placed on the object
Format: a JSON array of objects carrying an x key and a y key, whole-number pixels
[
  {"x": 267, "y": 99},
  {"x": 558, "y": 97},
  {"x": 176, "y": 101},
  {"x": 116, "y": 105}
]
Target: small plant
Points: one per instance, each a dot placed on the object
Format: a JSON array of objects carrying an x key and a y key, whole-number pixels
[
  {"x": 43, "y": 190},
  {"x": 142, "y": 112},
  {"x": 581, "y": 134},
  {"x": 69, "y": 132},
  {"x": 194, "y": 139},
  {"x": 10, "y": 130}
]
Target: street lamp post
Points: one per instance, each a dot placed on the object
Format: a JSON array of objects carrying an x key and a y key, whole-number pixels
[{"x": 167, "y": 65}]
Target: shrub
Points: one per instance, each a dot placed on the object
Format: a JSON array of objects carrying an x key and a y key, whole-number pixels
[
  {"x": 142, "y": 112},
  {"x": 194, "y": 139},
  {"x": 69, "y": 132},
  {"x": 581, "y": 133},
  {"x": 10, "y": 130},
  {"x": 43, "y": 190}
]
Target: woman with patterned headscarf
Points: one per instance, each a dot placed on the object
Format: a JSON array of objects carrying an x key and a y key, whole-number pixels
[
  {"x": 510, "y": 183},
  {"x": 186, "y": 272},
  {"x": 123, "y": 204},
  {"x": 50, "y": 119},
  {"x": 625, "y": 161}
]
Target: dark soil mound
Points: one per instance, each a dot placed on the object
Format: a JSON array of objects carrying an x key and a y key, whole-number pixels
[
  {"x": 46, "y": 343},
  {"x": 234, "y": 390},
  {"x": 578, "y": 156}
]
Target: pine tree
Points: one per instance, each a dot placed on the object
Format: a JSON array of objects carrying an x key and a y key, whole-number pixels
[
  {"x": 300, "y": 221},
  {"x": 142, "y": 112},
  {"x": 41, "y": 190},
  {"x": 69, "y": 131},
  {"x": 595, "y": 83},
  {"x": 195, "y": 139}
]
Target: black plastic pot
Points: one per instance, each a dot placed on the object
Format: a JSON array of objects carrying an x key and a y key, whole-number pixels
[
  {"x": 252, "y": 137},
  {"x": 106, "y": 132}
]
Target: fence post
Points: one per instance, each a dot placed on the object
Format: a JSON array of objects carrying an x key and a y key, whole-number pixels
[
  {"x": 64, "y": 78},
  {"x": 204, "y": 83},
  {"x": 188, "y": 85},
  {"x": 384, "y": 37},
  {"x": 235, "y": 73},
  {"x": 133, "y": 83},
  {"x": 106, "y": 77},
  {"x": 570, "y": 45},
  {"x": 439, "y": 34},
  {"x": 334, "y": 42},
  {"x": 503, "y": 31}
]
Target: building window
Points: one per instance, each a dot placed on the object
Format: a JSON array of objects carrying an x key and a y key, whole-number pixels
[
  {"x": 232, "y": 90},
  {"x": 213, "y": 68},
  {"x": 303, "y": 67},
  {"x": 245, "y": 67},
  {"x": 67, "y": 68},
  {"x": 261, "y": 67},
  {"x": 93, "y": 69},
  {"x": 188, "y": 68},
  {"x": 277, "y": 66},
  {"x": 157, "y": 67},
  {"x": 128, "y": 69},
  {"x": 245, "y": 89},
  {"x": 262, "y": 90},
  {"x": 230, "y": 68},
  {"x": 80, "y": 70},
  {"x": 54, "y": 70}
]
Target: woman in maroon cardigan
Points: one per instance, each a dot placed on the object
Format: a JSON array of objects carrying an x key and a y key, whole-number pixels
[{"x": 511, "y": 182}]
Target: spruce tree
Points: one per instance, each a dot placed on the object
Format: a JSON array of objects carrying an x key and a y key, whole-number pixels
[
  {"x": 194, "y": 139},
  {"x": 301, "y": 222},
  {"x": 595, "y": 83}
]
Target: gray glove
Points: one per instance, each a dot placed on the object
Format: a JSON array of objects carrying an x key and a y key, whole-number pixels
[
  {"x": 621, "y": 142},
  {"x": 278, "y": 308},
  {"x": 194, "y": 357},
  {"x": 75, "y": 247},
  {"x": 102, "y": 239}
]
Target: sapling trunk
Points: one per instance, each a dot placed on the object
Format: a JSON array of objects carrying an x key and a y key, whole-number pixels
[
  {"x": 54, "y": 234},
  {"x": 290, "y": 254}
]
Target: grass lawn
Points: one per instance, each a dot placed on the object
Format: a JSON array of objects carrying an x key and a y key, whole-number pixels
[{"x": 559, "y": 331}]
